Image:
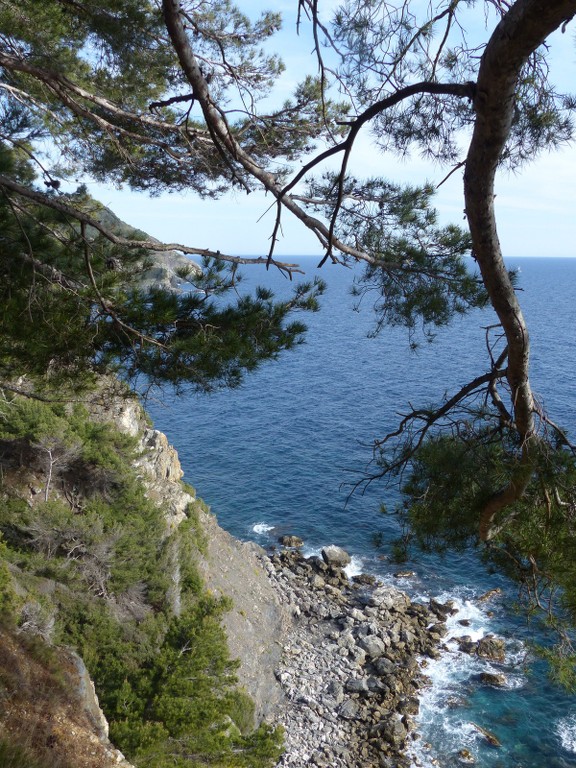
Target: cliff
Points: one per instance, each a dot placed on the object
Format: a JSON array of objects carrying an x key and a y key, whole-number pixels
[
  {"x": 119, "y": 590},
  {"x": 255, "y": 622},
  {"x": 104, "y": 553}
]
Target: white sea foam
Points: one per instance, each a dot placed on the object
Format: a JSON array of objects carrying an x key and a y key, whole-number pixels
[
  {"x": 566, "y": 730},
  {"x": 262, "y": 528},
  {"x": 450, "y": 675},
  {"x": 517, "y": 654},
  {"x": 458, "y": 735},
  {"x": 311, "y": 551},
  {"x": 355, "y": 567}
]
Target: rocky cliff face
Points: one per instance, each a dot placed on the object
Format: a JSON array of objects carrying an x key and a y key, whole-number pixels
[
  {"x": 50, "y": 707},
  {"x": 63, "y": 715},
  {"x": 256, "y": 622}
]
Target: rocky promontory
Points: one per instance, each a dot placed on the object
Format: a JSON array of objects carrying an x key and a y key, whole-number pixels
[{"x": 349, "y": 669}]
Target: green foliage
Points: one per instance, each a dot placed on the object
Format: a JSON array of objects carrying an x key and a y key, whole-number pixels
[
  {"x": 73, "y": 304},
  {"x": 449, "y": 482},
  {"x": 8, "y": 598},
  {"x": 534, "y": 541},
  {"x": 166, "y": 683},
  {"x": 167, "y": 686},
  {"x": 561, "y": 664},
  {"x": 417, "y": 273},
  {"x": 382, "y": 47},
  {"x": 113, "y": 536}
]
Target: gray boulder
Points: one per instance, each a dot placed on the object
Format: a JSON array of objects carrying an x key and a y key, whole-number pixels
[
  {"x": 373, "y": 646},
  {"x": 336, "y": 556}
]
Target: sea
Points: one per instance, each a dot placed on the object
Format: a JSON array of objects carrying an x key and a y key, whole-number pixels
[{"x": 283, "y": 454}]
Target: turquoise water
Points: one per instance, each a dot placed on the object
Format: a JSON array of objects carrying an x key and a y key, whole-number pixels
[{"x": 279, "y": 455}]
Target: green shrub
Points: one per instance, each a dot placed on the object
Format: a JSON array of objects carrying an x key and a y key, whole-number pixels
[
  {"x": 8, "y": 598},
  {"x": 166, "y": 683}
]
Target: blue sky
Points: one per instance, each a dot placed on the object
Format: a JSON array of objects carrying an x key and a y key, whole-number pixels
[{"x": 535, "y": 208}]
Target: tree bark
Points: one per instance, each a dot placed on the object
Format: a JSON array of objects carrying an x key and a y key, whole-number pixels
[{"x": 520, "y": 32}]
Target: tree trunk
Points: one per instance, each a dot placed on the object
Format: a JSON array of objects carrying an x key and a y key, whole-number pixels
[{"x": 520, "y": 32}]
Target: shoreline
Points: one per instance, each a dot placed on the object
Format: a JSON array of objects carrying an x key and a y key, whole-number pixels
[{"x": 350, "y": 670}]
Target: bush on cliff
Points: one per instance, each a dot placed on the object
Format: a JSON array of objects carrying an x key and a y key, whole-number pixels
[{"x": 87, "y": 562}]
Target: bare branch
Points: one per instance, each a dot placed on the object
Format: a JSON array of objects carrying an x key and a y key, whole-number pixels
[
  {"x": 57, "y": 204},
  {"x": 427, "y": 418}
]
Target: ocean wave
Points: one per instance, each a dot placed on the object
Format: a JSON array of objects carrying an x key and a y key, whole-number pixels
[
  {"x": 459, "y": 736},
  {"x": 309, "y": 551},
  {"x": 355, "y": 567},
  {"x": 262, "y": 528},
  {"x": 566, "y": 730}
]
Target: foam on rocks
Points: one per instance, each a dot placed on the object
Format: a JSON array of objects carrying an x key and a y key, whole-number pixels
[{"x": 349, "y": 671}]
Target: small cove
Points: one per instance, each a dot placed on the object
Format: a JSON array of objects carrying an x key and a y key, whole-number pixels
[{"x": 276, "y": 456}]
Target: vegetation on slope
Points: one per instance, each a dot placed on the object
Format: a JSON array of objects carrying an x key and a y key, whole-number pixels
[{"x": 87, "y": 562}]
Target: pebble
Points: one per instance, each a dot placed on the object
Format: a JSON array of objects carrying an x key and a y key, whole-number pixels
[{"x": 349, "y": 670}]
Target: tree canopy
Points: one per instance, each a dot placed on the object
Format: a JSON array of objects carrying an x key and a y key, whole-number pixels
[
  {"x": 467, "y": 82},
  {"x": 74, "y": 102}
]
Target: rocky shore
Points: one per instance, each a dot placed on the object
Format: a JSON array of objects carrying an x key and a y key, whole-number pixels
[{"x": 349, "y": 671}]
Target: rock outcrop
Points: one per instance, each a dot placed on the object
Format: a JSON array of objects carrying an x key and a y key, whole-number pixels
[
  {"x": 349, "y": 669},
  {"x": 256, "y": 621},
  {"x": 49, "y": 700}
]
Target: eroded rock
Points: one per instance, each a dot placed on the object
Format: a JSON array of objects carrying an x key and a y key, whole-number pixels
[{"x": 337, "y": 556}]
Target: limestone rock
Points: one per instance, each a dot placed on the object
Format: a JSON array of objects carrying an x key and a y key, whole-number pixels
[
  {"x": 393, "y": 731},
  {"x": 373, "y": 646},
  {"x": 491, "y": 647},
  {"x": 349, "y": 710},
  {"x": 490, "y": 678},
  {"x": 489, "y": 595},
  {"x": 350, "y": 692},
  {"x": 161, "y": 472},
  {"x": 257, "y": 622},
  {"x": 337, "y": 556},
  {"x": 488, "y": 735},
  {"x": 290, "y": 541},
  {"x": 364, "y": 579}
]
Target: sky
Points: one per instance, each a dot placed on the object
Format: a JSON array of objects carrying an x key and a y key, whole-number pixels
[{"x": 535, "y": 208}]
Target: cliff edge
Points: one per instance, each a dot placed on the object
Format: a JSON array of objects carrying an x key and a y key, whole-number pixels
[{"x": 107, "y": 561}]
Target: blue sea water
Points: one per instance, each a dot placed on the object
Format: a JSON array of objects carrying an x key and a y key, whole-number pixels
[{"x": 279, "y": 455}]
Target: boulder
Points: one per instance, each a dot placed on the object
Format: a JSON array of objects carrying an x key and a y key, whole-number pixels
[
  {"x": 336, "y": 556},
  {"x": 349, "y": 710},
  {"x": 336, "y": 690},
  {"x": 317, "y": 582},
  {"x": 290, "y": 541},
  {"x": 393, "y": 731},
  {"x": 385, "y": 667},
  {"x": 442, "y": 610},
  {"x": 497, "y": 680},
  {"x": 389, "y": 598},
  {"x": 356, "y": 685},
  {"x": 365, "y": 579},
  {"x": 491, "y": 647},
  {"x": 488, "y": 647},
  {"x": 408, "y": 706},
  {"x": 488, "y": 735},
  {"x": 373, "y": 646},
  {"x": 489, "y": 595}
]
